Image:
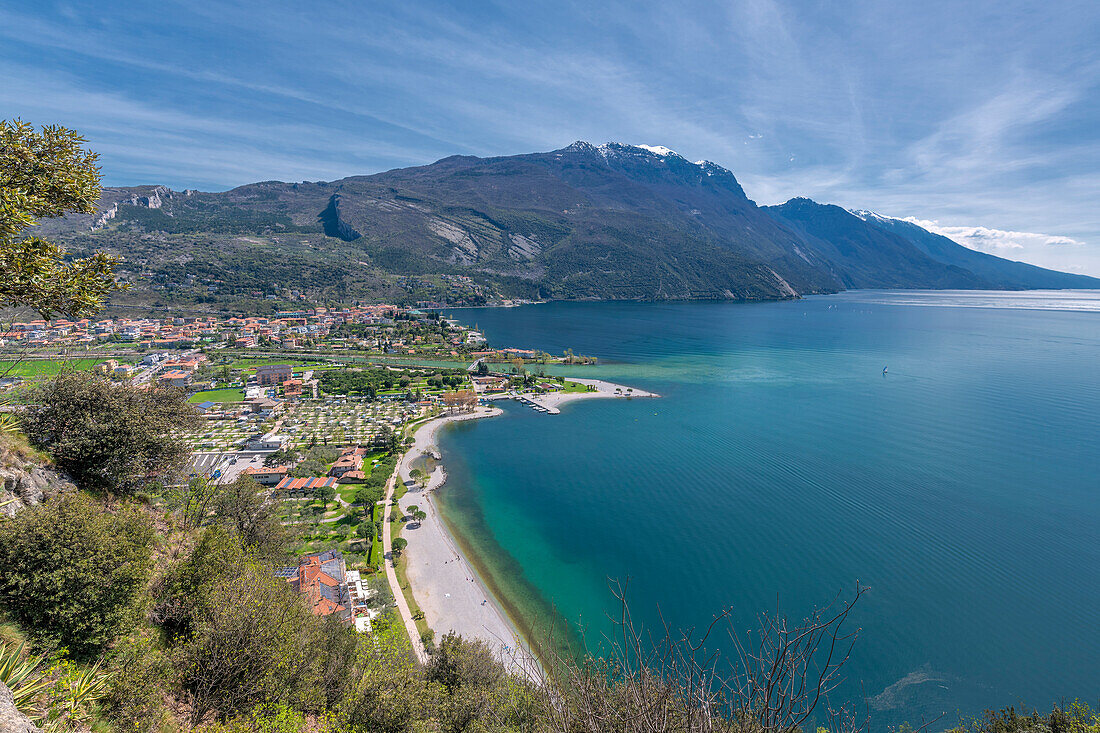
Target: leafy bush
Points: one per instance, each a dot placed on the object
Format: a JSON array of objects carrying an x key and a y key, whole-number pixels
[
  {"x": 73, "y": 571},
  {"x": 110, "y": 437}
]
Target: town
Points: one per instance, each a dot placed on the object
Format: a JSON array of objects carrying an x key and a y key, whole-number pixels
[{"x": 311, "y": 409}]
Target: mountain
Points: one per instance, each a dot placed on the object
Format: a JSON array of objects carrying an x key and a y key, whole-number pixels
[
  {"x": 584, "y": 222},
  {"x": 861, "y": 255},
  {"x": 1002, "y": 273}
]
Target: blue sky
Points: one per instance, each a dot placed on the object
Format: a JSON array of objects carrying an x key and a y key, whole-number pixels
[{"x": 979, "y": 118}]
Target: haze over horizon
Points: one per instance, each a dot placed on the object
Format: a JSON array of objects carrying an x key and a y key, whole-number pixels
[{"x": 979, "y": 121}]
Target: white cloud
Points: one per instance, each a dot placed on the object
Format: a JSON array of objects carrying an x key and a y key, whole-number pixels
[{"x": 994, "y": 241}]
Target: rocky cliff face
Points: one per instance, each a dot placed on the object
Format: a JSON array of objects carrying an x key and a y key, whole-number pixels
[
  {"x": 154, "y": 199},
  {"x": 23, "y": 484}
]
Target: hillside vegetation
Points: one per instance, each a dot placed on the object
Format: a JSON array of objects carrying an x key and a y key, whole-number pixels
[{"x": 583, "y": 222}]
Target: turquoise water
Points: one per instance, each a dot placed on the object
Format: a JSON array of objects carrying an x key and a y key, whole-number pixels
[{"x": 963, "y": 486}]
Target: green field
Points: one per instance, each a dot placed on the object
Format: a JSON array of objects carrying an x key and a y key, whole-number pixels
[
  {"x": 45, "y": 367},
  {"x": 575, "y": 387},
  {"x": 218, "y": 395}
]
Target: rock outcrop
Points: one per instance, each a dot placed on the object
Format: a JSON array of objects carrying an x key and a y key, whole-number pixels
[
  {"x": 24, "y": 484},
  {"x": 11, "y": 720},
  {"x": 153, "y": 200}
]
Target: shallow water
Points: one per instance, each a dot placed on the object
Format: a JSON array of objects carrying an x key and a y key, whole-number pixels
[{"x": 963, "y": 486}]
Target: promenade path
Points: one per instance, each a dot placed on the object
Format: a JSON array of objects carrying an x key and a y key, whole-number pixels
[{"x": 391, "y": 576}]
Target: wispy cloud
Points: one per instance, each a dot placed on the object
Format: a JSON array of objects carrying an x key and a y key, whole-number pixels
[{"x": 863, "y": 104}]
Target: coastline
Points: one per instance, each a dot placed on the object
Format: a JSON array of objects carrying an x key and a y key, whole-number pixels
[{"x": 444, "y": 581}]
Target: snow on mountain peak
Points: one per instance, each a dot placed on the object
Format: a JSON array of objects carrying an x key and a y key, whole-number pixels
[
  {"x": 866, "y": 215},
  {"x": 660, "y": 150}
]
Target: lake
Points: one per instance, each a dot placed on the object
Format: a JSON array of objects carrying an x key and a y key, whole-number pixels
[{"x": 781, "y": 465}]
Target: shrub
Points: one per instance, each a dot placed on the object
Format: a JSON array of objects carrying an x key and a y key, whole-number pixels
[{"x": 73, "y": 570}]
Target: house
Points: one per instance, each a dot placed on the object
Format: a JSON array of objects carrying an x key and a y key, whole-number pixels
[
  {"x": 262, "y": 405},
  {"x": 267, "y": 476},
  {"x": 272, "y": 374},
  {"x": 350, "y": 460},
  {"x": 321, "y": 578},
  {"x": 176, "y": 378}
]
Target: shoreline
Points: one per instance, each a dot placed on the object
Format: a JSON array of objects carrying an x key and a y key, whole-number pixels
[{"x": 444, "y": 581}]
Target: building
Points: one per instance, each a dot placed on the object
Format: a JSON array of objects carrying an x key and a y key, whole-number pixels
[
  {"x": 321, "y": 578},
  {"x": 303, "y": 487},
  {"x": 176, "y": 378},
  {"x": 268, "y": 476},
  {"x": 106, "y": 367},
  {"x": 350, "y": 460},
  {"x": 272, "y": 374},
  {"x": 270, "y": 441}
]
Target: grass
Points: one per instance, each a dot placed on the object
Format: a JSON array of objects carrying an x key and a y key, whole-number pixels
[
  {"x": 45, "y": 367},
  {"x": 575, "y": 387},
  {"x": 218, "y": 395}
]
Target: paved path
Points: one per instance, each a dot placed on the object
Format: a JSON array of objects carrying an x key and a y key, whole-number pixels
[{"x": 391, "y": 576}]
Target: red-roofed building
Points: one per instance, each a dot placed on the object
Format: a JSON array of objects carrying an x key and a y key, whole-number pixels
[
  {"x": 268, "y": 476},
  {"x": 321, "y": 577},
  {"x": 303, "y": 486}
]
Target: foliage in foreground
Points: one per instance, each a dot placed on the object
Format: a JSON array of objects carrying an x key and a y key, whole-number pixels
[
  {"x": 43, "y": 175},
  {"x": 110, "y": 437},
  {"x": 72, "y": 571}
]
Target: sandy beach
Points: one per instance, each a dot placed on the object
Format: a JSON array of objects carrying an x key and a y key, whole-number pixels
[{"x": 445, "y": 585}]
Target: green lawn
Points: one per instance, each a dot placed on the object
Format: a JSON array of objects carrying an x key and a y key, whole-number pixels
[
  {"x": 45, "y": 367},
  {"x": 218, "y": 395},
  {"x": 575, "y": 387}
]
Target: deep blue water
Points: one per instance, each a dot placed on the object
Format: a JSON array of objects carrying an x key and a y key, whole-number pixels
[{"x": 780, "y": 463}]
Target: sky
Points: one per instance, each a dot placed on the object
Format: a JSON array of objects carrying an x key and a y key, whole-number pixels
[{"x": 977, "y": 119}]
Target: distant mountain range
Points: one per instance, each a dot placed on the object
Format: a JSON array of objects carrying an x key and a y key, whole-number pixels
[{"x": 584, "y": 222}]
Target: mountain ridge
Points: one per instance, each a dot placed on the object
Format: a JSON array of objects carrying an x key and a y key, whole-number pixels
[{"x": 613, "y": 221}]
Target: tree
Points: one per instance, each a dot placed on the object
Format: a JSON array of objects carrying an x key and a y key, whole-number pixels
[
  {"x": 411, "y": 511},
  {"x": 280, "y": 457},
  {"x": 368, "y": 496},
  {"x": 192, "y": 502},
  {"x": 72, "y": 570},
  {"x": 110, "y": 437},
  {"x": 419, "y": 515},
  {"x": 242, "y": 509},
  {"x": 45, "y": 175},
  {"x": 399, "y": 545},
  {"x": 366, "y": 531},
  {"x": 326, "y": 494},
  {"x": 251, "y": 646},
  {"x": 307, "y": 468}
]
